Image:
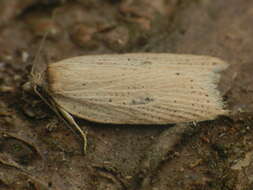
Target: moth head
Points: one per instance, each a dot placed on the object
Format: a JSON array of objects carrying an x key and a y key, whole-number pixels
[{"x": 35, "y": 81}]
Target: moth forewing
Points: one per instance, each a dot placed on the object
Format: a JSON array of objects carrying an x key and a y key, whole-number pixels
[{"x": 138, "y": 88}]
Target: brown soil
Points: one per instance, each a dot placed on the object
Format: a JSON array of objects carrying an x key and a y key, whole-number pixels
[{"x": 37, "y": 151}]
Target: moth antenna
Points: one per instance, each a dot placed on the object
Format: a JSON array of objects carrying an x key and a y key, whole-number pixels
[
  {"x": 42, "y": 43},
  {"x": 33, "y": 72},
  {"x": 37, "y": 77}
]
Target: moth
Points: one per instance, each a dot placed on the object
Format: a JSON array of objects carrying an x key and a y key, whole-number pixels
[{"x": 134, "y": 88}]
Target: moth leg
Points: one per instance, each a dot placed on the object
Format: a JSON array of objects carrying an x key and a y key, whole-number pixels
[
  {"x": 65, "y": 116},
  {"x": 71, "y": 120},
  {"x": 68, "y": 119}
]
